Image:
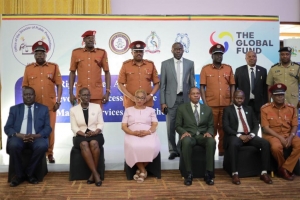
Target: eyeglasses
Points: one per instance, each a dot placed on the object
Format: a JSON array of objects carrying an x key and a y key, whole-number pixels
[
  {"x": 85, "y": 95},
  {"x": 140, "y": 98}
]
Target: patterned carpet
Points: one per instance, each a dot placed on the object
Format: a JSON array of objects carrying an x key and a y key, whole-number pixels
[{"x": 116, "y": 186}]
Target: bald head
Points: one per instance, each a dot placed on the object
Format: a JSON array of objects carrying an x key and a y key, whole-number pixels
[{"x": 251, "y": 58}]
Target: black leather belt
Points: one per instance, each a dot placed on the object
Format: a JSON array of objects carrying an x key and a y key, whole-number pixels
[{"x": 180, "y": 94}]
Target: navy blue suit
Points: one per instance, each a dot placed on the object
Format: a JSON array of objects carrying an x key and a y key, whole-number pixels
[{"x": 16, "y": 145}]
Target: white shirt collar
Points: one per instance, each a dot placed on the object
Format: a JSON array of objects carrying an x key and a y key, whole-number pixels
[
  {"x": 249, "y": 68},
  {"x": 181, "y": 60}
]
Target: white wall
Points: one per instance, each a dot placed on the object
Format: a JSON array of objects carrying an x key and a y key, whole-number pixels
[{"x": 290, "y": 13}]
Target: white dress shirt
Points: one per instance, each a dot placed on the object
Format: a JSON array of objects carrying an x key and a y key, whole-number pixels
[
  {"x": 240, "y": 126},
  {"x": 198, "y": 108},
  {"x": 25, "y": 118},
  {"x": 254, "y": 71},
  {"x": 179, "y": 86}
]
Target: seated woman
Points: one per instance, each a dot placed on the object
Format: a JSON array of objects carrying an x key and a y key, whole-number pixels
[
  {"x": 87, "y": 125},
  {"x": 141, "y": 143}
]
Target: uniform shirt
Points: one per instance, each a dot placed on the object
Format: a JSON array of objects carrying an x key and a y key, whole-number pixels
[
  {"x": 25, "y": 118},
  {"x": 138, "y": 77},
  {"x": 179, "y": 85},
  {"x": 281, "y": 74},
  {"x": 281, "y": 120},
  {"x": 43, "y": 80},
  {"x": 217, "y": 82},
  {"x": 249, "y": 72},
  {"x": 88, "y": 72}
]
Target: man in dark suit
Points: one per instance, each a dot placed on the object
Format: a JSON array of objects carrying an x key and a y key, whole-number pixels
[
  {"x": 27, "y": 126},
  {"x": 195, "y": 125},
  {"x": 251, "y": 79},
  {"x": 241, "y": 126},
  {"x": 177, "y": 77}
]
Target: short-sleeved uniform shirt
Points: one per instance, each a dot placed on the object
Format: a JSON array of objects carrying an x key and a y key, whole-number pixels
[
  {"x": 138, "y": 77},
  {"x": 217, "y": 82},
  {"x": 286, "y": 75},
  {"x": 281, "y": 120},
  {"x": 88, "y": 71},
  {"x": 43, "y": 80}
]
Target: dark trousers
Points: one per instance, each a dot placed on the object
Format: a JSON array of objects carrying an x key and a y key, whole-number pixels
[
  {"x": 234, "y": 143},
  {"x": 187, "y": 144},
  {"x": 170, "y": 121},
  {"x": 15, "y": 147},
  {"x": 251, "y": 103}
]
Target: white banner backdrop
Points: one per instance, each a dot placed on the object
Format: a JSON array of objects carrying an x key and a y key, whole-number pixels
[
  {"x": 63, "y": 34},
  {"x": 295, "y": 45}
]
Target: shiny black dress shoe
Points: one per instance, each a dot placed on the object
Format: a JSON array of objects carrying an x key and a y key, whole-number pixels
[
  {"x": 32, "y": 180},
  {"x": 208, "y": 178},
  {"x": 90, "y": 182},
  {"x": 173, "y": 156},
  {"x": 98, "y": 184},
  {"x": 188, "y": 180},
  {"x": 16, "y": 181}
]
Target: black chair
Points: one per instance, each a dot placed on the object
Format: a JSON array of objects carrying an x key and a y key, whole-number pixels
[
  {"x": 198, "y": 162},
  {"x": 286, "y": 154},
  {"x": 78, "y": 167},
  {"x": 40, "y": 171},
  {"x": 153, "y": 168},
  {"x": 249, "y": 162}
]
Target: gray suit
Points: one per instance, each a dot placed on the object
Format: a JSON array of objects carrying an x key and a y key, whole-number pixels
[{"x": 168, "y": 93}]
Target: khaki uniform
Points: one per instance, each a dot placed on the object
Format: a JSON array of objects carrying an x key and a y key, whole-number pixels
[
  {"x": 286, "y": 75},
  {"x": 138, "y": 77},
  {"x": 217, "y": 94},
  {"x": 88, "y": 71},
  {"x": 281, "y": 120},
  {"x": 43, "y": 80}
]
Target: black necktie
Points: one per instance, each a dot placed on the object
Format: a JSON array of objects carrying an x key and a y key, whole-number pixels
[
  {"x": 252, "y": 80},
  {"x": 29, "y": 121}
]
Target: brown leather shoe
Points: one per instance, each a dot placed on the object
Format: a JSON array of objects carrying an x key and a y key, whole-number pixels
[
  {"x": 51, "y": 159},
  {"x": 266, "y": 178},
  {"x": 236, "y": 179},
  {"x": 284, "y": 174}
]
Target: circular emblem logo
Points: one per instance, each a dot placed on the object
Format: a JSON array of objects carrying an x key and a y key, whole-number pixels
[
  {"x": 184, "y": 39},
  {"x": 25, "y": 37},
  {"x": 119, "y": 43}
]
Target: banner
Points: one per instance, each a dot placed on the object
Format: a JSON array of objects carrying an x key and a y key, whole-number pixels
[{"x": 197, "y": 34}]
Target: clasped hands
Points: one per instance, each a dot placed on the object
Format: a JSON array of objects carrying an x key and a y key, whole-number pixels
[
  {"x": 27, "y": 137},
  {"x": 186, "y": 134},
  {"x": 286, "y": 143},
  {"x": 141, "y": 133},
  {"x": 245, "y": 138}
]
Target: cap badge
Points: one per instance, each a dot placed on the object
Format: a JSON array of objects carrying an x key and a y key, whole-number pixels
[
  {"x": 138, "y": 45},
  {"x": 279, "y": 86},
  {"x": 40, "y": 43},
  {"x": 218, "y": 46},
  {"x": 289, "y": 48}
]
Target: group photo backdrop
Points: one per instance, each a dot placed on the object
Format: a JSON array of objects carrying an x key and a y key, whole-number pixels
[{"x": 114, "y": 34}]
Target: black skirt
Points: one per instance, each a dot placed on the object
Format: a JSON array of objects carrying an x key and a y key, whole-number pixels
[{"x": 78, "y": 139}]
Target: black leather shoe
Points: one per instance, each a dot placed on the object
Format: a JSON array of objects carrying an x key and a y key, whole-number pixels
[
  {"x": 188, "y": 180},
  {"x": 16, "y": 181},
  {"x": 173, "y": 156},
  {"x": 51, "y": 159},
  {"x": 98, "y": 184},
  {"x": 90, "y": 182},
  {"x": 32, "y": 180},
  {"x": 208, "y": 178}
]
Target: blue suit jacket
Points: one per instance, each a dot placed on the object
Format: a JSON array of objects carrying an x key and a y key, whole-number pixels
[{"x": 41, "y": 120}]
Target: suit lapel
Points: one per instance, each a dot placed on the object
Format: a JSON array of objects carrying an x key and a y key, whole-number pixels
[
  {"x": 246, "y": 110},
  {"x": 35, "y": 111},
  {"x": 257, "y": 74},
  {"x": 184, "y": 71},
  {"x": 234, "y": 113},
  {"x": 246, "y": 72},
  {"x": 190, "y": 110},
  {"x": 172, "y": 68}
]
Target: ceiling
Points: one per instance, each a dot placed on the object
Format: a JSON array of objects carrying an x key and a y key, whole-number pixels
[{"x": 289, "y": 31}]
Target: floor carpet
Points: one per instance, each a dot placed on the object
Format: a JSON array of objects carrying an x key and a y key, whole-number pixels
[{"x": 115, "y": 186}]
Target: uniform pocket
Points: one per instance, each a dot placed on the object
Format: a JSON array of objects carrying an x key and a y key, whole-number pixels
[{"x": 32, "y": 79}]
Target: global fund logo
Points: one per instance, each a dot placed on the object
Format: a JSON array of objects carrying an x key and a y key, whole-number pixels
[{"x": 246, "y": 41}]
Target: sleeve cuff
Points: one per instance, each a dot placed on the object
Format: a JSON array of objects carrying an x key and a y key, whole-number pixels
[
  {"x": 238, "y": 135},
  {"x": 252, "y": 135}
]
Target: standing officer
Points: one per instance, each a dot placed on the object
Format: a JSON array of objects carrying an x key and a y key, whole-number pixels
[
  {"x": 217, "y": 88},
  {"x": 89, "y": 62},
  {"x": 176, "y": 79},
  {"x": 251, "y": 79},
  {"x": 279, "y": 121},
  {"x": 138, "y": 73},
  {"x": 43, "y": 76},
  {"x": 286, "y": 72}
]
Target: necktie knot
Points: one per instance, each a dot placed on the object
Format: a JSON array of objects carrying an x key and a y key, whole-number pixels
[
  {"x": 196, "y": 106},
  {"x": 251, "y": 69}
]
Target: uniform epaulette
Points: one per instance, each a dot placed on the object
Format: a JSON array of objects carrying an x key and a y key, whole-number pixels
[
  {"x": 126, "y": 61},
  {"x": 52, "y": 63},
  {"x": 207, "y": 65},
  {"x": 100, "y": 49},
  {"x": 266, "y": 105},
  {"x": 149, "y": 61},
  {"x": 275, "y": 65},
  {"x": 77, "y": 49},
  {"x": 30, "y": 64},
  {"x": 294, "y": 63},
  {"x": 290, "y": 105},
  {"x": 226, "y": 64}
]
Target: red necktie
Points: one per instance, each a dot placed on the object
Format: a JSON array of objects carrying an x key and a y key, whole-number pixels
[{"x": 246, "y": 131}]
